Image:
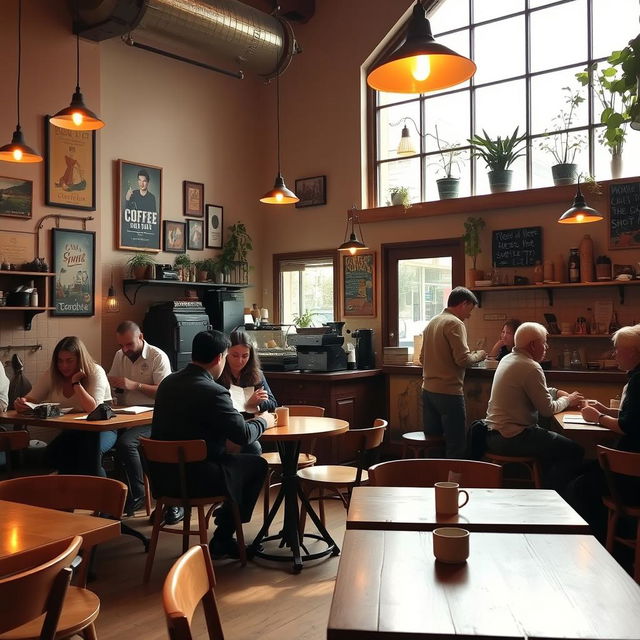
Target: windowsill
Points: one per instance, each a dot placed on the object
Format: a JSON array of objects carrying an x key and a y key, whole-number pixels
[{"x": 489, "y": 202}]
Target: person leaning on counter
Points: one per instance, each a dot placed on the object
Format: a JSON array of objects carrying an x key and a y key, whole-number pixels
[{"x": 504, "y": 345}]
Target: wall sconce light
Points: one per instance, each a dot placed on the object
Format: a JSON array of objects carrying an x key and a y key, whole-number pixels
[
  {"x": 112, "y": 305},
  {"x": 351, "y": 243},
  {"x": 579, "y": 212},
  {"x": 420, "y": 64},
  {"x": 17, "y": 150}
]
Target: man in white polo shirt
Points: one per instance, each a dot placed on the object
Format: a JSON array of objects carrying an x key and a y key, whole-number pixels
[{"x": 137, "y": 370}]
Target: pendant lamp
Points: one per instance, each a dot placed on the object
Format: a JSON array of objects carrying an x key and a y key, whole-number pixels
[
  {"x": 280, "y": 194},
  {"x": 17, "y": 150},
  {"x": 112, "y": 304},
  {"x": 77, "y": 116},
  {"x": 351, "y": 243},
  {"x": 420, "y": 64},
  {"x": 579, "y": 212},
  {"x": 405, "y": 146}
]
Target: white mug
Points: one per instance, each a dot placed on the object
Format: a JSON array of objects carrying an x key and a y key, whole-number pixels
[
  {"x": 448, "y": 497},
  {"x": 451, "y": 545}
]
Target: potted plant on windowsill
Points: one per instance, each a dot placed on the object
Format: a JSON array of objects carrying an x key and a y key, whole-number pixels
[
  {"x": 399, "y": 196},
  {"x": 141, "y": 266},
  {"x": 449, "y": 185},
  {"x": 563, "y": 144},
  {"x": 498, "y": 155},
  {"x": 471, "y": 237}
]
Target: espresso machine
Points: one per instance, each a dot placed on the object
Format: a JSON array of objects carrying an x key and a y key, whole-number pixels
[{"x": 365, "y": 357}]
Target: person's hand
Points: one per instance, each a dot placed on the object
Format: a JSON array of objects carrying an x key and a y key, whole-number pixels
[
  {"x": 594, "y": 403},
  {"x": 575, "y": 399},
  {"x": 483, "y": 354},
  {"x": 117, "y": 382},
  {"x": 78, "y": 376},
  {"x": 590, "y": 413},
  {"x": 20, "y": 405},
  {"x": 129, "y": 193},
  {"x": 269, "y": 418},
  {"x": 258, "y": 396}
]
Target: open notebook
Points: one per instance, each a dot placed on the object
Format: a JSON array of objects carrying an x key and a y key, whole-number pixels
[{"x": 135, "y": 409}]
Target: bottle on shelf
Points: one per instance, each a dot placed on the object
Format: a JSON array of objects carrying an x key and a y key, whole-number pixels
[
  {"x": 593, "y": 325},
  {"x": 574, "y": 265},
  {"x": 33, "y": 298},
  {"x": 255, "y": 314},
  {"x": 586, "y": 259},
  {"x": 575, "y": 363},
  {"x": 538, "y": 273},
  {"x": 566, "y": 358},
  {"x": 547, "y": 271},
  {"x": 614, "y": 325}
]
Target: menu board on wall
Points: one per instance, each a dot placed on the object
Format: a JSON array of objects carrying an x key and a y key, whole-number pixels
[
  {"x": 624, "y": 218},
  {"x": 517, "y": 247}
]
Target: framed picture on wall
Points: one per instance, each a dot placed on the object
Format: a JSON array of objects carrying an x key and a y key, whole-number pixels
[
  {"x": 195, "y": 235},
  {"x": 139, "y": 206},
  {"x": 175, "y": 240},
  {"x": 359, "y": 284},
  {"x": 73, "y": 257},
  {"x": 214, "y": 226},
  {"x": 16, "y": 197},
  {"x": 311, "y": 191},
  {"x": 193, "y": 198},
  {"x": 69, "y": 168}
]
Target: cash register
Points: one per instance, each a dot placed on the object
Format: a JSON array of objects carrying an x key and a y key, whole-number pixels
[{"x": 319, "y": 351}]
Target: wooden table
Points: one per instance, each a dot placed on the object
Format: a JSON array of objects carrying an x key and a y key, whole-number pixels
[
  {"x": 587, "y": 435},
  {"x": 496, "y": 510},
  {"x": 512, "y": 586},
  {"x": 24, "y": 528},
  {"x": 288, "y": 441}
]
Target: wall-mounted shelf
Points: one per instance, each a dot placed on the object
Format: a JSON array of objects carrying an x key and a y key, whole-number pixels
[
  {"x": 200, "y": 287},
  {"x": 41, "y": 280},
  {"x": 549, "y": 288}
]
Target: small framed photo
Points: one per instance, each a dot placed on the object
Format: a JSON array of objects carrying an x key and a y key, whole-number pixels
[
  {"x": 16, "y": 197},
  {"x": 195, "y": 235},
  {"x": 193, "y": 198},
  {"x": 214, "y": 226},
  {"x": 174, "y": 236},
  {"x": 69, "y": 168},
  {"x": 311, "y": 191}
]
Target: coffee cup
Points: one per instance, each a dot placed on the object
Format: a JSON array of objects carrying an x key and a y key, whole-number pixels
[
  {"x": 614, "y": 403},
  {"x": 451, "y": 545},
  {"x": 282, "y": 416},
  {"x": 448, "y": 497}
]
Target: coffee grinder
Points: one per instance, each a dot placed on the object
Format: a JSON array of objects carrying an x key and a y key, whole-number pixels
[{"x": 365, "y": 357}]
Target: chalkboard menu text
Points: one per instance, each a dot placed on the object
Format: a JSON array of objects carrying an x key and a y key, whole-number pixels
[
  {"x": 624, "y": 221},
  {"x": 517, "y": 247}
]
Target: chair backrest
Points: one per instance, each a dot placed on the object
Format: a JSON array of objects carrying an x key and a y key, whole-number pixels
[
  {"x": 174, "y": 451},
  {"x": 67, "y": 493},
  {"x": 614, "y": 461},
  {"x": 305, "y": 410},
  {"x": 363, "y": 441},
  {"x": 425, "y": 472},
  {"x": 190, "y": 581},
  {"x": 39, "y": 589},
  {"x": 12, "y": 441}
]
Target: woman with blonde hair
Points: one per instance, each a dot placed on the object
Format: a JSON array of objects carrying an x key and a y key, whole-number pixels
[{"x": 76, "y": 382}]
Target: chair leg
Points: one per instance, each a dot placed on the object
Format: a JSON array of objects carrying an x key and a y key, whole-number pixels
[
  {"x": 89, "y": 633},
  {"x": 535, "y": 473},
  {"x": 157, "y": 523},
  {"x": 202, "y": 525},
  {"x": 186, "y": 529},
  {"x": 147, "y": 495},
  {"x": 302, "y": 522},
  {"x": 612, "y": 524},
  {"x": 266, "y": 498},
  {"x": 242, "y": 549},
  {"x": 321, "y": 505}
]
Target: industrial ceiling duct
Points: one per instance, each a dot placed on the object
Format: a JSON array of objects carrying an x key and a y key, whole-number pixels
[{"x": 201, "y": 32}]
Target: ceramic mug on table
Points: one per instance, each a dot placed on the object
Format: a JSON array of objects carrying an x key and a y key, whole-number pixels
[
  {"x": 282, "y": 416},
  {"x": 451, "y": 545},
  {"x": 448, "y": 497}
]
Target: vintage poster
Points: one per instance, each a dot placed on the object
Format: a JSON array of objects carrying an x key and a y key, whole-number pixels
[
  {"x": 73, "y": 257},
  {"x": 16, "y": 197},
  {"x": 359, "y": 284}
]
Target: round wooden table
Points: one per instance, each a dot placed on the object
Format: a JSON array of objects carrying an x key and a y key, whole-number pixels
[{"x": 288, "y": 441}]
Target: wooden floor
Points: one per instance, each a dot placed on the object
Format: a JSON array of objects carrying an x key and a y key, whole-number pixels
[{"x": 262, "y": 600}]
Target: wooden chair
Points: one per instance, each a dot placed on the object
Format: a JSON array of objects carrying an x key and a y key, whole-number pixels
[
  {"x": 190, "y": 581},
  {"x": 529, "y": 463},
  {"x": 12, "y": 441},
  {"x": 179, "y": 453},
  {"x": 340, "y": 479},
  {"x": 273, "y": 458},
  {"x": 39, "y": 603},
  {"x": 622, "y": 463},
  {"x": 418, "y": 443},
  {"x": 425, "y": 472},
  {"x": 68, "y": 493}
]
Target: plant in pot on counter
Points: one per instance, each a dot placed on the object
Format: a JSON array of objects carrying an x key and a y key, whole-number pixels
[
  {"x": 304, "y": 320},
  {"x": 498, "y": 155},
  {"x": 449, "y": 185},
  {"x": 471, "y": 237},
  {"x": 141, "y": 266},
  {"x": 563, "y": 145},
  {"x": 182, "y": 265},
  {"x": 399, "y": 196}
]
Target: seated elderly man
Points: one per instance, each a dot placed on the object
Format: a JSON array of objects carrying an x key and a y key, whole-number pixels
[{"x": 518, "y": 395}]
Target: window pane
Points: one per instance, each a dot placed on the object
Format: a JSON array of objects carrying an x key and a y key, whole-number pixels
[
  {"x": 449, "y": 15},
  {"x": 500, "y": 50},
  {"x": 393, "y": 98},
  {"x": 565, "y": 26},
  {"x": 458, "y": 42},
  {"x": 548, "y": 98},
  {"x": 390, "y": 128},
  {"x": 613, "y": 28},
  {"x": 450, "y": 113},
  {"x": 399, "y": 173},
  {"x": 501, "y": 108},
  {"x": 460, "y": 169},
  {"x": 489, "y": 9},
  {"x": 424, "y": 285},
  {"x": 306, "y": 285},
  {"x": 542, "y": 161},
  {"x": 630, "y": 151}
]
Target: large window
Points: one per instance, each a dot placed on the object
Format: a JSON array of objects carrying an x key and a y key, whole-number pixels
[
  {"x": 306, "y": 282},
  {"x": 527, "y": 52}
]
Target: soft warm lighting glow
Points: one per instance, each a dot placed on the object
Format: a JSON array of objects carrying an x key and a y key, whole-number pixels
[
  {"x": 353, "y": 251},
  {"x": 112, "y": 305},
  {"x": 18, "y": 151},
  {"x": 280, "y": 194},
  {"x": 77, "y": 118},
  {"x": 351, "y": 242},
  {"x": 421, "y": 68},
  {"x": 580, "y": 212},
  {"x": 17, "y": 155},
  {"x": 279, "y": 197}
]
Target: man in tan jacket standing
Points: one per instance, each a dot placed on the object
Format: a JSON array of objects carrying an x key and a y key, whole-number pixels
[{"x": 445, "y": 356}]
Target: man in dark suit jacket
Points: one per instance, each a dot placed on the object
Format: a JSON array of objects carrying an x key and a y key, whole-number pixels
[{"x": 190, "y": 405}]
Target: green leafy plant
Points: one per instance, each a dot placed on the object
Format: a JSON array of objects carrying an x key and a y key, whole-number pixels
[
  {"x": 239, "y": 242},
  {"x": 498, "y": 154},
  {"x": 400, "y": 194},
  {"x": 471, "y": 237},
  {"x": 564, "y": 145},
  {"x": 304, "y": 320},
  {"x": 183, "y": 260},
  {"x": 449, "y": 156},
  {"x": 140, "y": 261}
]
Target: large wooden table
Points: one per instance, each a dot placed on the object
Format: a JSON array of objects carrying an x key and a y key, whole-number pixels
[
  {"x": 497, "y": 510},
  {"x": 512, "y": 586},
  {"x": 288, "y": 440},
  {"x": 587, "y": 435},
  {"x": 24, "y": 528}
]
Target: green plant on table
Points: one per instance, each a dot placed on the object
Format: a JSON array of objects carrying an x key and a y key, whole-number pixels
[{"x": 498, "y": 154}]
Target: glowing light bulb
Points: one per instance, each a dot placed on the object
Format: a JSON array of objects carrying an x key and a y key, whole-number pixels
[
  {"x": 77, "y": 118},
  {"x": 279, "y": 197},
  {"x": 352, "y": 251},
  {"x": 580, "y": 217},
  {"x": 17, "y": 154},
  {"x": 421, "y": 68}
]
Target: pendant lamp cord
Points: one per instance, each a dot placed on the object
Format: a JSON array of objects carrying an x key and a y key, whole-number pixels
[
  {"x": 19, "y": 60},
  {"x": 77, "y": 19},
  {"x": 278, "y": 112}
]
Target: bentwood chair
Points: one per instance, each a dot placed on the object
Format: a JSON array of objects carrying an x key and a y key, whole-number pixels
[
  {"x": 339, "y": 479},
  {"x": 425, "y": 472},
  {"x": 179, "y": 453},
  {"x": 626, "y": 466},
  {"x": 38, "y": 603},
  {"x": 12, "y": 441},
  {"x": 190, "y": 581},
  {"x": 104, "y": 496}
]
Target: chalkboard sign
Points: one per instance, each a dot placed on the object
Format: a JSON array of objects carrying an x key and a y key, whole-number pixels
[
  {"x": 517, "y": 247},
  {"x": 624, "y": 221}
]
